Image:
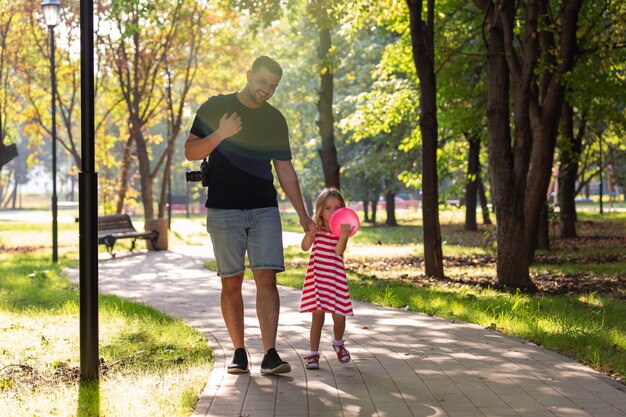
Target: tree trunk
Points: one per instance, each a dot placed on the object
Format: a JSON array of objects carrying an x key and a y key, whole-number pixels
[
  {"x": 483, "y": 202},
  {"x": 568, "y": 172},
  {"x": 366, "y": 217},
  {"x": 164, "y": 186},
  {"x": 374, "y": 207},
  {"x": 508, "y": 194},
  {"x": 390, "y": 200},
  {"x": 325, "y": 124},
  {"x": 471, "y": 186},
  {"x": 539, "y": 174},
  {"x": 124, "y": 172},
  {"x": 14, "y": 193},
  {"x": 422, "y": 40},
  {"x": 143, "y": 160},
  {"x": 543, "y": 229}
]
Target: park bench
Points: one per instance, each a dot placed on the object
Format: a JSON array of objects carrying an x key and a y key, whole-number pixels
[{"x": 119, "y": 226}]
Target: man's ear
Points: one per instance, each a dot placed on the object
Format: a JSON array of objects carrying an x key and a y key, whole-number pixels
[{"x": 249, "y": 74}]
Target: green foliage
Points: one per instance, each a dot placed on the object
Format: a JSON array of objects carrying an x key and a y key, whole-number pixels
[{"x": 261, "y": 12}]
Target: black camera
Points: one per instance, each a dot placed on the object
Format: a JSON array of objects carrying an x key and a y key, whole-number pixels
[{"x": 201, "y": 175}]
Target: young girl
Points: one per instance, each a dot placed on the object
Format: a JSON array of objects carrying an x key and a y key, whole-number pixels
[{"x": 325, "y": 285}]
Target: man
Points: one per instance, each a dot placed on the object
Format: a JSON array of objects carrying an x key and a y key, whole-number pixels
[{"x": 242, "y": 133}]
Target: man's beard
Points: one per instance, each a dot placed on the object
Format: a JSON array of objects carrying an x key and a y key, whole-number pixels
[{"x": 258, "y": 98}]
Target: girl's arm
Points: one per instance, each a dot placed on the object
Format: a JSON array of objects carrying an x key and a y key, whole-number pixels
[
  {"x": 307, "y": 240},
  {"x": 346, "y": 229}
]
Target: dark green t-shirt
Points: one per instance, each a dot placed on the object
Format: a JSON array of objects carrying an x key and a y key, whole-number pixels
[{"x": 240, "y": 169}]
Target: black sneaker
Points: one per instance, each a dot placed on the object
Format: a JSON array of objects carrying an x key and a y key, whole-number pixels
[
  {"x": 272, "y": 364},
  {"x": 239, "y": 364}
]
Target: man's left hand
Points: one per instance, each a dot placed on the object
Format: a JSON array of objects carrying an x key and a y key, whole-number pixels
[{"x": 308, "y": 225}]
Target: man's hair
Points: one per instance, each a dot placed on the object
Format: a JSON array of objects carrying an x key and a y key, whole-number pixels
[{"x": 269, "y": 63}]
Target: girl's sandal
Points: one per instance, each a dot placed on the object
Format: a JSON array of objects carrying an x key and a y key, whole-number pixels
[{"x": 312, "y": 361}]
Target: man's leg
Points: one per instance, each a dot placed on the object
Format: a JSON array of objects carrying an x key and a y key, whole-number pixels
[
  {"x": 267, "y": 310},
  {"x": 267, "y": 306},
  {"x": 232, "y": 308}
]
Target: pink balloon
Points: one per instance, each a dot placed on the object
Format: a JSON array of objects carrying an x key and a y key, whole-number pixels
[{"x": 341, "y": 216}]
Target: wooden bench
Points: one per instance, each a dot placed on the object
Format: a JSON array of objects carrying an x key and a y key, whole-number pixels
[{"x": 119, "y": 226}]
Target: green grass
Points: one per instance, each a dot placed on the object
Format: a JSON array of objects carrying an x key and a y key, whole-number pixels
[
  {"x": 151, "y": 365},
  {"x": 609, "y": 269}
]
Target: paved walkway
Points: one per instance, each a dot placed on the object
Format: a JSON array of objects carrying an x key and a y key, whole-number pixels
[{"x": 404, "y": 363}]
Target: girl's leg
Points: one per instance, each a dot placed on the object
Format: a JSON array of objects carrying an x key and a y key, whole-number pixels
[
  {"x": 317, "y": 322},
  {"x": 339, "y": 326}
]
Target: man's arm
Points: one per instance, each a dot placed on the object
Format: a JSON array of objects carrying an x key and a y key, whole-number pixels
[
  {"x": 288, "y": 180},
  {"x": 197, "y": 148}
]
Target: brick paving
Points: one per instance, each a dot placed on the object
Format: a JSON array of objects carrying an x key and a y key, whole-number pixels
[{"x": 404, "y": 363}]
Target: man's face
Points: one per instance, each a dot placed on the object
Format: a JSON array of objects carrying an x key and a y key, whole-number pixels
[{"x": 262, "y": 84}]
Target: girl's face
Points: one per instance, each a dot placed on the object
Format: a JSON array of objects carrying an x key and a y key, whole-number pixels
[{"x": 328, "y": 208}]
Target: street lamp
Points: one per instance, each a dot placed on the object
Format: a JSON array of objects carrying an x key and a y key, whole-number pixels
[{"x": 51, "y": 10}]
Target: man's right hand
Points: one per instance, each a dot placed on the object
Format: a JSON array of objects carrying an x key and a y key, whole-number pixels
[{"x": 229, "y": 125}]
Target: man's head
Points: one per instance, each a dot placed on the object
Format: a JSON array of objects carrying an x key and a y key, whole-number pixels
[
  {"x": 269, "y": 63},
  {"x": 263, "y": 80}
]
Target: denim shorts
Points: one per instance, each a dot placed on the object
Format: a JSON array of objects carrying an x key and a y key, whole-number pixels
[{"x": 255, "y": 231}]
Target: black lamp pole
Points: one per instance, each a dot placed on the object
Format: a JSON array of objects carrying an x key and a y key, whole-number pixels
[
  {"x": 51, "y": 9},
  {"x": 88, "y": 203}
]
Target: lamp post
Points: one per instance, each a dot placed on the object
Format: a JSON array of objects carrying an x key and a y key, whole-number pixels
[{"x": 51, "y": 10}]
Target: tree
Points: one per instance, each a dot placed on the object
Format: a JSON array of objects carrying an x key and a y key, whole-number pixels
[
  {"x": 474, "y": 179},
  {"x": 180, "y": 68},
  {"x": 538, "y": 99},
  {"x": 138, "y": 45},
  {"x": 322, "y": 15},
  {"x": 538, "y": 63},
  {"x": 67, "y": 72},
  {"x": 594, "y": 93},
  {"x": 570, "y": 147},
  {"x": 462, "y": 93},
  {"x": 422, "y": 35},
  {"x": 10, "y": 42},
  {"x": 507, "y": 182}
]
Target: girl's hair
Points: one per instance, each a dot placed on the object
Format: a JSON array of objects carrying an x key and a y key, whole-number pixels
[{"x": 325, "y": 194}]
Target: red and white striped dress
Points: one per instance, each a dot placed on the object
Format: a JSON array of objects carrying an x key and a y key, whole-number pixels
[{"x": 325, "y": 284}]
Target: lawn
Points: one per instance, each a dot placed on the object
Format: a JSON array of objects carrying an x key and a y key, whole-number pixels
[{"x": 151, "y": 364}]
